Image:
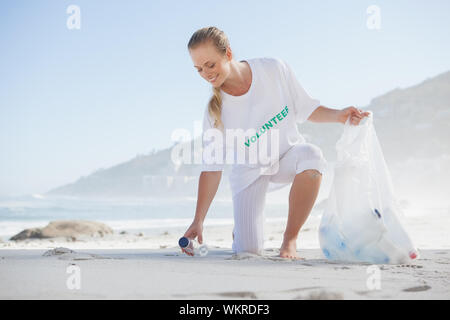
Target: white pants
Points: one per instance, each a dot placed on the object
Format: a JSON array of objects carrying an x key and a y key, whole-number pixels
[{"x": 248, "y": 204}]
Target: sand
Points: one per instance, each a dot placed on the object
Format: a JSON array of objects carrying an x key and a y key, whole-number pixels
[
  {"x": 151, "y": 266},
  {"x": 168, "y": 274}
]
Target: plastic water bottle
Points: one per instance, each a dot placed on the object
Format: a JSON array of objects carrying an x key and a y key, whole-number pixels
[{"x": 193, "y": 247}]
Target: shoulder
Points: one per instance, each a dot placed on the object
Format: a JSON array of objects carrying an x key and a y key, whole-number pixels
[
  {"x": 271, "y": 64},
  {"x": 268, "y": 61}
]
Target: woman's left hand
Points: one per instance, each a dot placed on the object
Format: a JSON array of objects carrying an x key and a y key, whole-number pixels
[{"x": 356, "y": 115}]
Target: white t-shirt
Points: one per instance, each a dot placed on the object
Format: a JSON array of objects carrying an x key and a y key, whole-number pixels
[{"x": 275, "y": 100}]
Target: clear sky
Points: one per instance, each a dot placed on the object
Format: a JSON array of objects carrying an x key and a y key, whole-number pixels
[{"x": 73, "y": 101}]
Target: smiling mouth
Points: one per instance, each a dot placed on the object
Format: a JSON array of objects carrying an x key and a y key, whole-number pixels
[{"x": 213, "y": 79}]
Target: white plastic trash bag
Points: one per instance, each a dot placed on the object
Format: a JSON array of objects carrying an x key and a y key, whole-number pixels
[{"x": 360, "y": 221}]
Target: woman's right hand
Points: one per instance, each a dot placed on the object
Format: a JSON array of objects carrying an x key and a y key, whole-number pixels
[{"x": 194, "y": 230}]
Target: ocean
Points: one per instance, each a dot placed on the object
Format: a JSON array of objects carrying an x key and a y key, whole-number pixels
[{"x": 147, "y": 216}]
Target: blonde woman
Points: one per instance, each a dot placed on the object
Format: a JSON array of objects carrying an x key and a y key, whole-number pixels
[{"x": 261, "y": 94}]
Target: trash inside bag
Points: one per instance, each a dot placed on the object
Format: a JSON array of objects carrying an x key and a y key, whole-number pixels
[{"x": 361, "y": 221}]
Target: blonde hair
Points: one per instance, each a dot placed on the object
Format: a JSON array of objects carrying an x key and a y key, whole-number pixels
[{"x": 220, "y": 41}]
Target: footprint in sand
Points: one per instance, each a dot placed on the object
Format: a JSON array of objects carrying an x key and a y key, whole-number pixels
[
  {"x": 238, "y": 294},
  {"x": 68, "y": 254},
  {"x": 251, "y": 256},
  {"x": 415, "y": 266},
  {"x": 278, "y": 258},
  {"x": 243, "y": 256},
  {"x": 321, "y": 295},
  {"x": 231, "y": 294},
  {"x": 417, "y": 289}
]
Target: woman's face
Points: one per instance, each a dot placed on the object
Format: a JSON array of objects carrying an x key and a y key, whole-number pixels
[{"x": 210, "y": 64}]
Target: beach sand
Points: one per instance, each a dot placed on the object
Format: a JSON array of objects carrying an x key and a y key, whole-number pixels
[
  {"x": 131, "y": 266},
  {"x": 169, "y": 274}
]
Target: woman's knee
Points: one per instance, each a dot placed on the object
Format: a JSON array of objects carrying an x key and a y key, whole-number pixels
[
  {"x": 255, "y": 248},
  {"x": 310, "y": 157},
  {"x": 247, "y": 242},
  {"x": 309, "y": 151}
]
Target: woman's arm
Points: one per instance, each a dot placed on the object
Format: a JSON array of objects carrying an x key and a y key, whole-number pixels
[
  {"x": 324, "y": 114},
  {"x": 208, "y": 184}
]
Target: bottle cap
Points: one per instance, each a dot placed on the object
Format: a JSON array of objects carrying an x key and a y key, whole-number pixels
[{"x": 183, "y": 242}]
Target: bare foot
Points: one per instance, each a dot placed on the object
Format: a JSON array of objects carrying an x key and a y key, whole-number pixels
[{"x": 289, "y": 250}]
